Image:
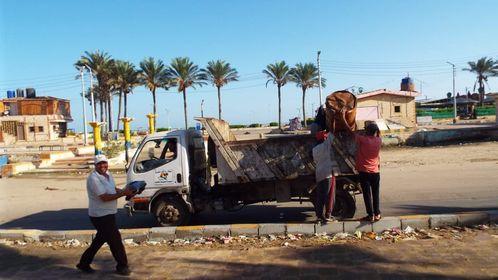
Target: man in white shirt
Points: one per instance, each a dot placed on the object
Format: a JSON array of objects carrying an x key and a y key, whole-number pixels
[
  {"x": 102, "y": 208},
  {"x": 325, "y": 187}
]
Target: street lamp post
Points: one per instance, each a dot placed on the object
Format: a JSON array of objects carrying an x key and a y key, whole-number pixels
[
  {"x": 454, "y": 95},
  {"x": 319, "y": 77},
  {"x": 85, "y": 139},
  {"x": 91, "y": 93}
]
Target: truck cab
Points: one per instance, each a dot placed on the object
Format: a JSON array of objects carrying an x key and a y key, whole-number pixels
[{"x": 170, "y": 163}]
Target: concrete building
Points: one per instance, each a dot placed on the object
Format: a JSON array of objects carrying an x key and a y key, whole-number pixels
[
  {"x": 393, "y": 106},
  {"x": 33, "y": 119}
]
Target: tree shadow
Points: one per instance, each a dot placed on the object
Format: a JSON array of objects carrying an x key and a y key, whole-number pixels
[
  {"x": 16, "y": 265},
  {"x": 343, "y": 261}
]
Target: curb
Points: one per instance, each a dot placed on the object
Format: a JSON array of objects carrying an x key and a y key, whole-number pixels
[{"x": 193, "y": 232}]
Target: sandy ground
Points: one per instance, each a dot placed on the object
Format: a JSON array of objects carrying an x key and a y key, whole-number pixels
[
  {"x": 414, "y": 180},
  {"x": 455, "y": 254}
]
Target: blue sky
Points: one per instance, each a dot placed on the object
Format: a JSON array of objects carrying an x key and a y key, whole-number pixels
[{"x": 369, "y": 44}]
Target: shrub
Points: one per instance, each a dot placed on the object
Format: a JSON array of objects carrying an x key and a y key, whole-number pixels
[
  {"x": 237, "y": 126},
  {"x": 308, "y": 121},
  {"x": 255, "y": 125},
  {"x": 112, "y": 148},
  {"x": 161, "y": 129},
  {"x": 274, "y": 124}
]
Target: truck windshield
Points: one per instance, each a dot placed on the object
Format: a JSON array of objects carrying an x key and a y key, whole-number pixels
[{"x": 156, "y": 153}]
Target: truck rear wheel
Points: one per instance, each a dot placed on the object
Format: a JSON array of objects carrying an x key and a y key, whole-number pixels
[
  {"x": 344, "y": 206},
  {"x": 171, "y": 211}
]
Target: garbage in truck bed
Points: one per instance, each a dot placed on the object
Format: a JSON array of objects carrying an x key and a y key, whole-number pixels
[{"x": 282, "y": 157}]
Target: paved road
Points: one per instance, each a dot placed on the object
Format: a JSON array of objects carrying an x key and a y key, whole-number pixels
[
  {"x": 51, "y": 204},
  {"x": 473, "y": 256}
]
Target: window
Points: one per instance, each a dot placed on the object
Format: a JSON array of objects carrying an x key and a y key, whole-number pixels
[
  {"x": 31, "y": 129},
  {"x": 156, "y": 153},
  {"x": 40, "y": 129},
  {"x": 397, "y": 109}
]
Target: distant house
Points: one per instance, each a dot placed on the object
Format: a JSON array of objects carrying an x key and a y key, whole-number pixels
[
  {"x": 466, "y": 103},
  {"x": 393, "y": 106},
  {"x": 495, "y": 97},
  {"x": 33, "y": 119}
]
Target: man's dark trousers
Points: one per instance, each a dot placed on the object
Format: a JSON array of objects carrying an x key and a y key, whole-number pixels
[
  {"x": 107, "y": 232},
  {"x": 370, "y": 184},
  {"x": 325, "y": 196}
]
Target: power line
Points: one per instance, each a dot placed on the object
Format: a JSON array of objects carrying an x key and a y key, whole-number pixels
[
  {"x": 381, "y": 74},
  {"x": 415, "y": 62},
  {"x": 53, "y": 77}
]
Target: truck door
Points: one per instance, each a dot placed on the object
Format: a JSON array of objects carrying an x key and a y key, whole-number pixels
[{"x": 159, "y": 163}]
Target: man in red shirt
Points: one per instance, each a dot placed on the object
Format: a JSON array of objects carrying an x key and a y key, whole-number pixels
[{"x": 368, "y": 163}]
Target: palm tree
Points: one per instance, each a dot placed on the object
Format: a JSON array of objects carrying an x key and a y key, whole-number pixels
[
  {"x": 184, "y": 73},
  {"x": 153, "y": 76},
  {"x": 125, "y": 78},
  {"x": 220, "y": 73},
  {"x": 278, "y": 73},
  {"x": 101, "y": 64},
  {"x": 484, "y": 68},
  {"x": 305, "y": 76}
]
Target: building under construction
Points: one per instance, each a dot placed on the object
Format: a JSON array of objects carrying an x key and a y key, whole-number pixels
[{"x": 30, "y": 118}]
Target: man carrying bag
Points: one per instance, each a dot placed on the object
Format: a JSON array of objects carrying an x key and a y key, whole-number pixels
[{"x": 102, "y": 209}]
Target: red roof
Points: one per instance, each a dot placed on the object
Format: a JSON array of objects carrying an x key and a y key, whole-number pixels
[{"x": 387, "y": 91}]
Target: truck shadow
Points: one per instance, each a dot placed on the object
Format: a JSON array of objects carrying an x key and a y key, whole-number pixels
[
  {"x": 77, "y": 218},
  {"x": 426, "y": 209},
  {"x": 72, "y": 219}
]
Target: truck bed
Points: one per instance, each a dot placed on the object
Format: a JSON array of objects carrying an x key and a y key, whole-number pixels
[{"x": 277, "y": 157}]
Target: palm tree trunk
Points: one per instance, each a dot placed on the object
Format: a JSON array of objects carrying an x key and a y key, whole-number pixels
[
  {"x": 125, "y": 105},
  {"x": 101, "y": 103},
  {"x": 304, "y": 113},
  {"x": 154, "y": 101},
  {"x": 119, "y": 110},
  {"x": 219, "y": 103},
  {"x": 481, "y": 91},
  {"x": 94, "y": 109},
  {"x": 185, "y": 107},
  {"x": 106, "y": 125},
  {"x": 279, "y": 109},
  {"x": 110, "y": 112}
]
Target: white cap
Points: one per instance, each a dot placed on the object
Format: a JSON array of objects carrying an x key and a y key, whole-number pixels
[{"x": 100, "y": 158}]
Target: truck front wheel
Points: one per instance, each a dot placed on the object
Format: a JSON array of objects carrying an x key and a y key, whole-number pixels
[{"x": 171, "y": 211}]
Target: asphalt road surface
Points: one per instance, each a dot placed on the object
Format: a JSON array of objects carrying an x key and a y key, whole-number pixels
[{"x": 413, "y": 181}]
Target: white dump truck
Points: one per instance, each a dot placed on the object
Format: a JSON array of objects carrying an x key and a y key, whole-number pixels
[{"x": 187, "y": 172}]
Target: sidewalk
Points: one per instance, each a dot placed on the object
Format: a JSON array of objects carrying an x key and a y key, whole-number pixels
[{"x": 473, "y": 256}]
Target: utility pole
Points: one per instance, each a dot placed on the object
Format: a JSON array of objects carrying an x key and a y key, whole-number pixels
[
  {"x": 85, "y": 140},
  {"x": 202, "y": 108},
  {"x": 167, "y": 118},
  {"x": 91, "y": 93},
  {"x": 319, "y": 77},
  {"x": 454, "y": 96}
]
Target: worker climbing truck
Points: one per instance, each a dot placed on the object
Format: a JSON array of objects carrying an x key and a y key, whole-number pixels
[{"x": 187, "y": 172}]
